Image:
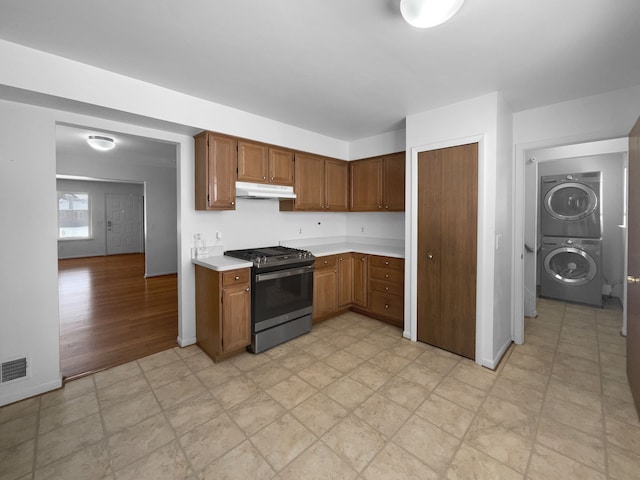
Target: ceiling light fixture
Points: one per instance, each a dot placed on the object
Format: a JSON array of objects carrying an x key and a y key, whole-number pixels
[
  {"x": 428, "y": 13},
  {"x": 101, "y": 143}
]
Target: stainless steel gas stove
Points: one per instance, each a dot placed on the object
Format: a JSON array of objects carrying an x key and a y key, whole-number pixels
[{"x": 281, "y": 294}]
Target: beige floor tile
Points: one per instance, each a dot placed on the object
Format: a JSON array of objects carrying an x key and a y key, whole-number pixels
[
  {"x": 589, "y": 352},
  {"x": 198, "y": 361},
  {"x": 390, "y": 362},
  {"x": 537, "y": 364},
  {"x": 269, "y": 374},
  {"x": 546, "y": 464},
  {"x": 68, "y": 439},
  {"x": 122, "y": 391},
  {"x": 623, "y": 464},
  {"x": 235, "y": 391},
  {"x": 139, "y": 440},
  {"x": 471, "y": 464},
  {"x": 614, "y": 373},
  {"x": 319, "y": 374},
  {"x": 19, "y": 409},
  {"x": 418, "y": 373},
  {"x": 618, "y": 390},
  {"x": 437, "y": 362},
  {"x": 623, "y": 434},
  {"x": 17, "y": 460},
  {"x": 188, "y": 351},
  {"x": 474, "y": 375},
  {"x": 528, "y": 398},
  {"x": 382, "y": 414},
  {"x": 525, "y": 377},
  {"x": 158, "y": 360},
  {"x": 296, "y": 361},
  {"x": 370, "y": 375},
  {"x": 67, "y": 412},
  {"x": 178, "y": 391},
  {"x": 339, "y": 340},
  {"x": 247, "y": 361},
  {"x": 394, "y": 463},
  {"x": 282, "y": 350},
  {"x": 404, "y": 392},
  {"x": 166, "y": 462},
  {"x": 167, "y": 374},
  {"x": 572, "y": 443},
  {"x": 209, "y": 441},
  {"x": 586, "y": 398},
  {"x": 363, "y": 350},
  {"x": 319, "y": 462},
  {"x": 343, "y": 361},
  {"x": 408, "y": 349},
  {"x": 256, "y": 413},
  {"x": 291, "y": 391},
  {"x": 445, "y": 414},
  {"x": 17, "y": 431},
  {"x": 89, "y": 463},
  {"x": 242, "y": 463},
  {"x": 193, "y": 412},
  {"x": 382, "y": 340},
  {"x": 136, "y": 409},
  {"x": 458, "y": 392},
  {"x": 577, "y": 378},
  {"x": 282, "y": 441},
  {"x": 217, "y": 374},
  {"x": 303, "y": 341},
  {"x": 319, "y": 413},
  {"x": 430, "y": 444},
  {"x": 549, "y": 341},
  {"x": 511, "y": 416},
  {"x": 347, "y": 392},
  {"x": 500, "y": 443},
  {"x": 320, "y": 349},
  {"x": 355, "y": 441},
  {"x": 69, "y": 390},
  {"x": 576, "y": 416},
  {"x": 621, "y": 410}
]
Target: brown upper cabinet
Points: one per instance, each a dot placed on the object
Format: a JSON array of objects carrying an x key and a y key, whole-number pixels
[
  {"x": 260, "y": 163},
  {"x": 215, "y": 171},
  {"x": 321, "y": 184},
  {"x": 378, "y": 184}
]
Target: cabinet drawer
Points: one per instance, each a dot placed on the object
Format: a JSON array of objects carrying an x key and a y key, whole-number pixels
[
  {"x": 387, "y": 275},
  {"x": 391, "y": 306},
  {"x": 325, "y": 262},
  {"x": 235, "y": 277},
  {"x": 387, "y": 287},
  {"x": 387, "y": 262}
]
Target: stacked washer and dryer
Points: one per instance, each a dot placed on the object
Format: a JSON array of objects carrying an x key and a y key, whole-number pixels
[{"x": 571, "y": 228}]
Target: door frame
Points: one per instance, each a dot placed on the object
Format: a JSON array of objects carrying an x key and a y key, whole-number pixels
[
  {"x": 527, "y": 157},
  {"x": 484, "y": 290}
]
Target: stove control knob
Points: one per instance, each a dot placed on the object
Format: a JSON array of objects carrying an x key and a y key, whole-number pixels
[
  {"x": 264, "y": 259},
  {"x": 257, "y": 259}
]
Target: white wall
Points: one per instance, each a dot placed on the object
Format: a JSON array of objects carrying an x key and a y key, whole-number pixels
[
  {"x": 160, "y": 203},
  {"x": 97, "y": 244},
  {"x": 482, "y": 119}
]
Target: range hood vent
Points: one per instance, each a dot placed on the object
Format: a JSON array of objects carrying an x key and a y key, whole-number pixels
[{"x": 263, "y": 191}]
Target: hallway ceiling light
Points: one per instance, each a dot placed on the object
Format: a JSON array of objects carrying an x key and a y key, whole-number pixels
[
  {"x": 428, "y": 13},
  {"x": 101, "y": 143}
]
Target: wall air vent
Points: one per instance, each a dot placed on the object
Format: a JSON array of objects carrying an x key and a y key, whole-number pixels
[{"x": 13, "y": 370}]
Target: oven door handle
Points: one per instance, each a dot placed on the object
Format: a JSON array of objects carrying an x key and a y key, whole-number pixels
[{"x": 263, "y": 277}]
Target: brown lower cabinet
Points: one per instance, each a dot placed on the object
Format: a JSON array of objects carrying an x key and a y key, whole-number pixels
[
  {"x": 368, "y": 284},
  {"x": 223, "y": 311}
]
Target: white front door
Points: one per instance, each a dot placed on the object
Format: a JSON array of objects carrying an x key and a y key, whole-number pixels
[{"x": 124, "y": 223}]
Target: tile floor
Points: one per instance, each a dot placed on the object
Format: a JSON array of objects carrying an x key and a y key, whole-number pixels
[{"x": 351, "y": 400}]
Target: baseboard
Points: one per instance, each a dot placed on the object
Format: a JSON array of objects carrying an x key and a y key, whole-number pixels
[
  {"x": 149, "y": 275},
  {"x": 185, "y": 342},
  {"x": 16, "y": 396},
  {"x": 493, "y": 363}
]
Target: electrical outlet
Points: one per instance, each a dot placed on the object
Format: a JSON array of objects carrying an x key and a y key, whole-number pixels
[{"x": 219, "y": 235}]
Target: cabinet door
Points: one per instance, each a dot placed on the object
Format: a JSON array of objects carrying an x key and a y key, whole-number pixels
[
  {"x": 325, "y": 292},
  {"x": 236, "y": 318},
  {"x": 252, "y": 162},
  {"x": 280, "y": 166},
  {"x": 394, "y": 182},
  {"x": 337, "y": 185},
  {"x": 360, "y": 274},
  {"x": 221, "y": 172},
  {"x": 345, "y": 279},
  {"x": 366, "y": 185},
  {"x": 309, "y": 182}
]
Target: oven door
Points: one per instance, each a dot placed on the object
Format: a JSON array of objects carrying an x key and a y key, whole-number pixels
[{"x": 281, "y": 296}]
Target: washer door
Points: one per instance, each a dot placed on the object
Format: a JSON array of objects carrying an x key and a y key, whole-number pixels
[
  {"x": 570, "y": 201},
  {"x": 570, "y": 266}
]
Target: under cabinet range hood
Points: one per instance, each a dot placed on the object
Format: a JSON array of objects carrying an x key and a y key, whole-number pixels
[{"x": 263, "y": 191}]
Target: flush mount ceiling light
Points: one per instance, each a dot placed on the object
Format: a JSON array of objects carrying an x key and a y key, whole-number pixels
[
  {"x": 101, "y": 143},
  {"x": 428, "y": 13}
]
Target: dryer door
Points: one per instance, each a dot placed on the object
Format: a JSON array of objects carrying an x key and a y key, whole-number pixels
[
  {"x": 570, "y": 201},
  {"x": 570, "y": 266}
]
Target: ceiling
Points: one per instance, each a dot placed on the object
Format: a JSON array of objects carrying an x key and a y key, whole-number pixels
[{"x": 348, "y": 69}]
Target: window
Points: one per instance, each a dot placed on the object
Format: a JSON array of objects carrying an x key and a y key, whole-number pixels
[{"x": 74, "y": 216}]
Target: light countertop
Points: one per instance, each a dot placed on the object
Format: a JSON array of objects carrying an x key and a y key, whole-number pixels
[
  {"x": 345, "y": 247},
  {"x": 221, "y": 263}
]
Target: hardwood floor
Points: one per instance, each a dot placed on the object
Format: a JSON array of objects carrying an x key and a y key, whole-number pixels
[{"x": 110, "y": 314}]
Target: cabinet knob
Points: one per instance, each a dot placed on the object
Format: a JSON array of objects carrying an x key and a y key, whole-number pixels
[
  {"x": 430, "y": 256},
  {"x": 272, "y": 179},
  {"x": 233, "y": 203},
  {"x": 386, "y": 306},
  {"x": 247, "y": 289},
  {"x": 362, "y": 259},
  {"x": 386, "y": 263},
  {"x": 379, "y": 206},
  {"x": 237, "y": 277},
  {"x": 386, "y": 276},
  {"x": 325, "y": 262},
  {"x": 264, "y": 178},
  {"x": 386, "y": 206},
  {"x": 386, "y": 288}
]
